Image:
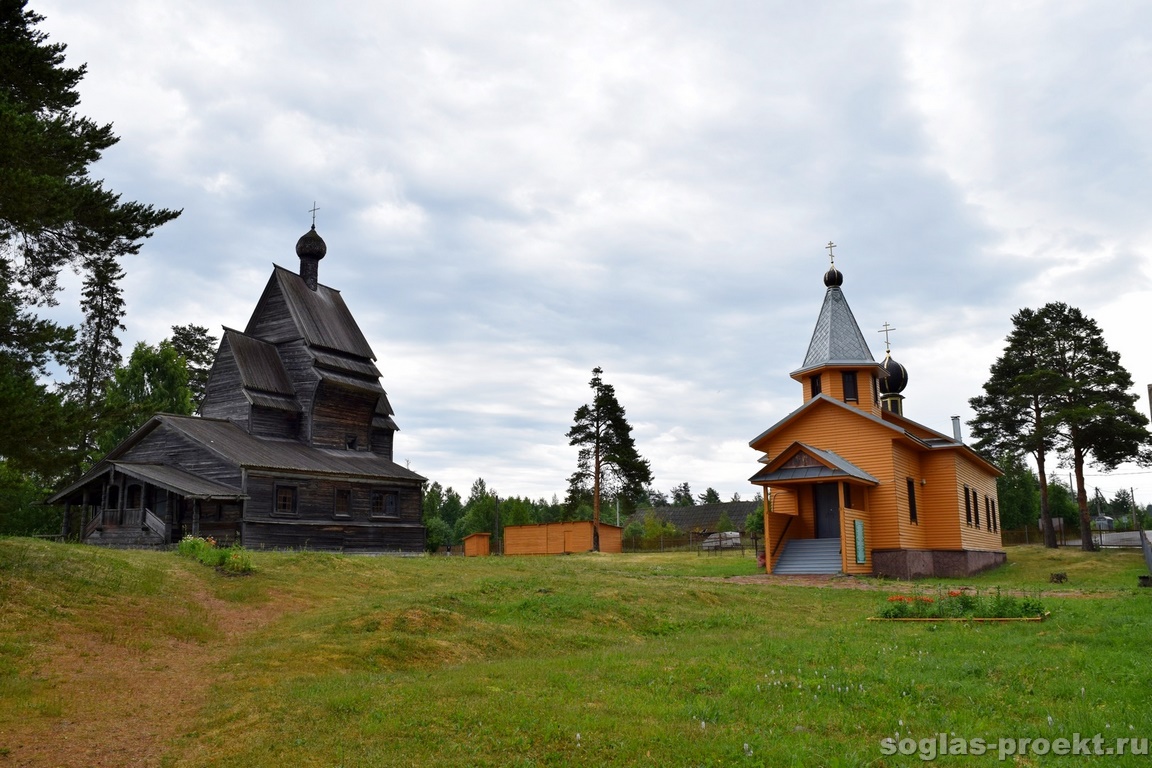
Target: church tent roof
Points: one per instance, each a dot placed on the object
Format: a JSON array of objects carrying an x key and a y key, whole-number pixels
[
  {"x": 321, "y": 316},
  {"x": 836, "y": 340}
]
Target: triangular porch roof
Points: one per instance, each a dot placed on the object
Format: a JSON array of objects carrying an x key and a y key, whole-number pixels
[{"x": 803, "y": 463}]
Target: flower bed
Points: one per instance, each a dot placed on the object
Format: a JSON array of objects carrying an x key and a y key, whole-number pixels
[{"x": 957, "y": 605}]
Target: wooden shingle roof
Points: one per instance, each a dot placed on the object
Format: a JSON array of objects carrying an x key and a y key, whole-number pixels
[
  {"x": 259, "y": 363},
  {"x": 321, "y": 316}
]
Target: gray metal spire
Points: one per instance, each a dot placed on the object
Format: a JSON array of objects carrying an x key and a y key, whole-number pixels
[{"x": 837, "y": 338}]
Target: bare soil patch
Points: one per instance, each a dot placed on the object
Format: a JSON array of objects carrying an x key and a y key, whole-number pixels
[{"x": 120, "y": 692}]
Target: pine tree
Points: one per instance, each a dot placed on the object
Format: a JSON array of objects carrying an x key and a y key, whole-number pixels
[
  {"x": 1015, "y": 413},
  {"x": 198, "y": 348},
  {"x": 608, "y": 465},
  {"x": 97, "y": 352},
  {"x": 1058, "y": 387},
  {"x": 682, "y": 496},
  {"x": 1098, "y": 421},
  {"x": 52, "y": 215},
  {"x": 710, "y": 496}
]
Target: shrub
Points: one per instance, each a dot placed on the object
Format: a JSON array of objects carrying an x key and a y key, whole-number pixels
[
  {"x": 956, "y": 604},
  {"x": 234, "y": 559}
]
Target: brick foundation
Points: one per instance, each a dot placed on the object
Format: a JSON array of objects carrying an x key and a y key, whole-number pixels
[{"x": 920, "y": 563}]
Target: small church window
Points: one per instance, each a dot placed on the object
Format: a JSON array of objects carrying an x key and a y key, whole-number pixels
[
  {"x": 995, "y": 517},
  {"x": 384, "y": 504},
  {"x": 285, "y": 500},
  {"x": 342, "y": 503},
  {"x": 814, "y": 382},
  {"x": 988, "y": 513},
  {"x": 875, "y": 392},
  {"x": 850, "y": 393},
  {"x": 911, "y": 500},
  {"x": 847, "y": 496},
  {"x": 350, "y": 442},
  {"x": 967, "y": 506},
  {"x": 976, "y": 507}
]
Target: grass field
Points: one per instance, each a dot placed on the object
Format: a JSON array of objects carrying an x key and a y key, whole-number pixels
[{"x": 143, "y": 658}]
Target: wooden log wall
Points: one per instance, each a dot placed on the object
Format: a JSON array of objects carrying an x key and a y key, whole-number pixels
[
  {"x": 340, "y": 413},
  {"x": 224, "y": 398}
]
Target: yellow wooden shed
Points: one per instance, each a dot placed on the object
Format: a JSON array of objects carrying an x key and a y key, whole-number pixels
[
  {"x": 477, "y": 545},
  {"x": 561, "y": 538}
]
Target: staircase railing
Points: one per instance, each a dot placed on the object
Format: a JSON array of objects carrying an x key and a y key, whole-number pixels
[
  {"x": 96, "y": 521},
  {"x": 154, "y": 523},
  {"x": 783, "y": 533}
]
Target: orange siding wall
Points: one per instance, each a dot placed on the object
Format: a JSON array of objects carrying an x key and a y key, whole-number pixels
[
  {"x": 832, "y": 384},
  {"x": 969, "y": 472},
  {"x": 560, "y": 538},
  {"x": 848, "y": 547},
  {"x": 907, "y": 465},
  {"x": 939, "y": 512}
]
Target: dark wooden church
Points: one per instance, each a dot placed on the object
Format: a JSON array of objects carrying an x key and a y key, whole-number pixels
[{"x": 293, "y": 447}]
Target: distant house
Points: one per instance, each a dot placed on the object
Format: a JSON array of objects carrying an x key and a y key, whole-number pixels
[
  {"x": 701, "y": 518},
  {"x": 294, "y": 447},
  {"x": 851, "y": 485}
]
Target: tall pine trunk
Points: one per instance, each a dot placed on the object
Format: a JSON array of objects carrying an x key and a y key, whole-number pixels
[
  {"x": 596, "y": 496},
  {"x": 1086, "y": 542}
]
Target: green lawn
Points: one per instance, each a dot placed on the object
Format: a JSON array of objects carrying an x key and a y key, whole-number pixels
[{"x": 592, "y": 659}]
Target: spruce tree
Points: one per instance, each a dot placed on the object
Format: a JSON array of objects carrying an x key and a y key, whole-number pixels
[{"x": 608, "y": 464}]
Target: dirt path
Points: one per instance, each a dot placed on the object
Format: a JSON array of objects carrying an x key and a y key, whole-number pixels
[{"x": 119, "y": 696}]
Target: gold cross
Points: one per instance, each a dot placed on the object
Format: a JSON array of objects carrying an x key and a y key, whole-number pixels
[
  {"x": 886, "y": 330},
  {"x": 831, "y": 255}
]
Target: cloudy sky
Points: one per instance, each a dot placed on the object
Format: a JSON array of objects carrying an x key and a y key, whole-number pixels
[{"x": 513, "y": 193}]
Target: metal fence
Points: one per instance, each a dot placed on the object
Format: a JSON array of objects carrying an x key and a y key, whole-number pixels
[
  {"x": 749, "y": 545},
  {"x": 1071, "y": 538}
]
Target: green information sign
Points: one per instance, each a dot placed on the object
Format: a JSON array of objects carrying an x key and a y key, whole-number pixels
[{"x": 859, "y": 526}]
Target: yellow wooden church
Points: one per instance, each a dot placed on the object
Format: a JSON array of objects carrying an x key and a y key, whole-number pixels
[{"x": 853, "y": 486}]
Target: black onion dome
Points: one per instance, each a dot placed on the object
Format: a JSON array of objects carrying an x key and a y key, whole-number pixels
[
  {"x": 897, "y": 378},
  {"x": 833, "y": 277},
  {"x": 311, "y": 245}
]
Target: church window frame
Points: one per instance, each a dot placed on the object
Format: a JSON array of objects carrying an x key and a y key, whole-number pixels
[
  {"x": 851, "y": 387},
  {"x": 814, "y": 384},
  {"x": 384, "y": 504},
  {"x": 912, "y": 516},
  {"x": 285, "y": 501},
  {"x": 342, "y": 503}
]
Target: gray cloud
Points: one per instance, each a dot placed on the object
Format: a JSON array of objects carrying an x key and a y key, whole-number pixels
[{"x": 513, "y": 193}]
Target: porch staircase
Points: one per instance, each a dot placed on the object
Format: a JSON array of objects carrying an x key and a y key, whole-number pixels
[{"x": 804, "y": 556}]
